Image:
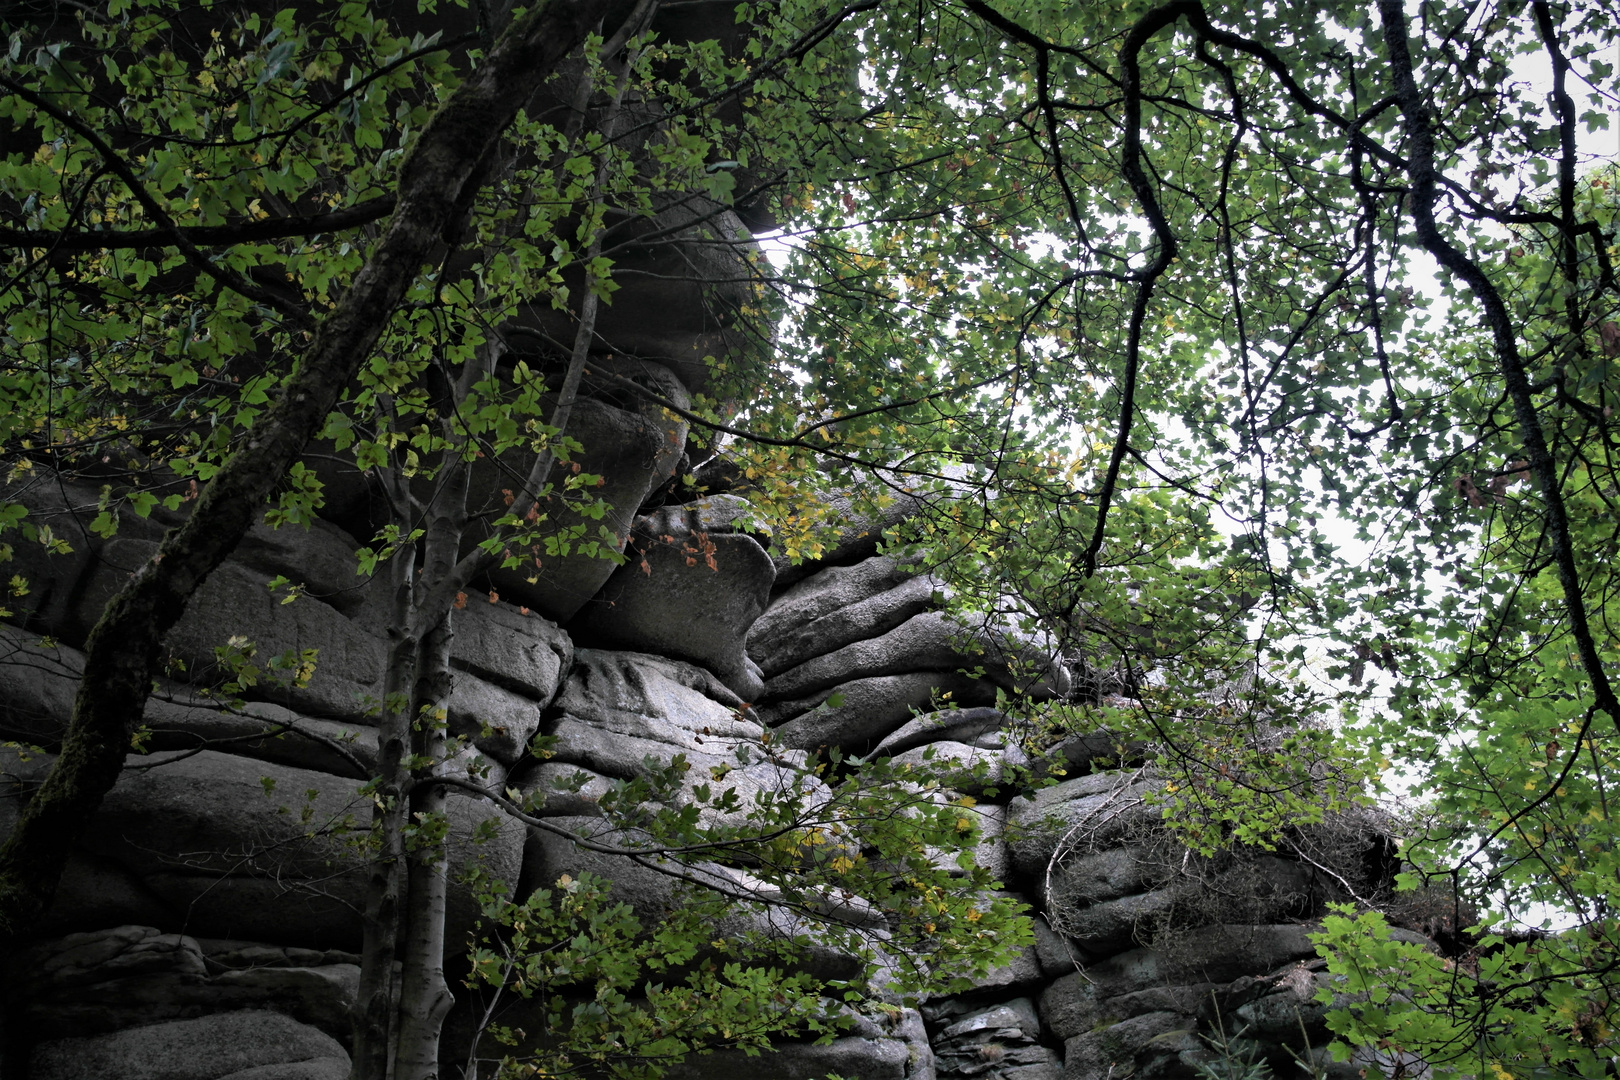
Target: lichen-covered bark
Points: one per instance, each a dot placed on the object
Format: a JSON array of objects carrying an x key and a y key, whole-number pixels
[{"x": 122, "y": 649}]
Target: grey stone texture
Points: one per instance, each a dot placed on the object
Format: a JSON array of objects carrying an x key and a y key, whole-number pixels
[
  {"x": 652, "y": 893},
  {"x": 318, "y": 556},
  {"x": 991, "y": 852},
  {"x": 497, "y": 721},
  {"x": 515, "y": 649},
  {"x": 1114, "y": 1049},
  {"x": 794, "y": 642},
  {"x": 634, "y": 446},
  {"x": 1021, "y": 973},
  {"x": 881, "y": 1040},
  {"x": 618, "y": 709},
  {"x": 53, "y": 571},
  {"x": 1280, "y": 1007},
  {"x": 550, "y": 789},
  {"x": 680, "y": 293},
  {"x": 929, "y": 641},
  {"x": 1084, "y": 812},
  {"x": 208, "y": 921},
  {"x": 234, "y": 602},
  {"x": 225, "y": 1044},
  {"x": 869, "y": 709},
  {"x": 823, "y": 591},
  {"x": 38, "y": 682},
  {"x": 714, "y": 515},
  {"x": 325, "y": 1068},
  {"x": 102, "y": 981},
  {"x": 970, "y": 769},
  {"x": 686, "y": 594},
  {"x": 1080, "y": 754},
  {"x": 997, "y": 1042},
  {"x": 183, "y": 720},
  {"x": 1217, "y": 953},
  {"x": 653, "y": 694},
  {"x": 868, "y": 1059},
  {"x": 1057, "y": 955},
  {"x": 37, "y": 685},
  {"x": 1110, "y": 874},
  {"x": 982, "y": 727},
  {"x": 207, "y": 835}
]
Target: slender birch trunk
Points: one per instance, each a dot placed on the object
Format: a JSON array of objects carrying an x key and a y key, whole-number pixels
[
  {"x": 425, "y": 997},
  {"x": 409, "y": 887},
  {"x": 387, "y": 887}
]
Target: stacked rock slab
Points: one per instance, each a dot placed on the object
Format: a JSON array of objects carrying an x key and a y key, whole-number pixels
[
  {"x": 212, "y": 902},
  {"x": 1155, "y": 969}
]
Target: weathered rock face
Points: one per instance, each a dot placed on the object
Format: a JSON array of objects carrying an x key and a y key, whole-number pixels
[
  {"x": 110, "y": 980},
  {"x": 634, "y": 450},
  {"x": 236, "y": 848},
  {"x": 1002, "y": 1040},
  {"x": 212, "y": 908},
  {"x": 659, "y": 602},
  {"x": 256, "y": 1044},
  {"x": 680, "y": 300}
]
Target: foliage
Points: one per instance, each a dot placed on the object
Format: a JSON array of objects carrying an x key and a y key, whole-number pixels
[
  {"x": 574, "y": 938},
  {"x": 143, "y": 363},
  {"x": 878, "y": 865},
  {"x": 1182, "y": 245},
  {"x": 1230, "y": 1061},
  {"x": 129, "y": 354},
  {"x": 853, "y": 839},
  {"x": 1517, "y": 1006},
  {"x": 1130, "y": 298}
]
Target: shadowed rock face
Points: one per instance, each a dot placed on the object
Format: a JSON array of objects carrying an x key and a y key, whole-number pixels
[
  {"x": 685, "y": 277},
  {"x": 634, "y": 454},
  {"x": 691, "y": 588},
  {"x": 219, "y": 1045},
  {"x": 197, "y": 901}
]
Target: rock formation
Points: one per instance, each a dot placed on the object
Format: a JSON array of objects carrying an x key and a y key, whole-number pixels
[
  {"x": 207, "y": 927},
  {"x": 212, "y": 907}
]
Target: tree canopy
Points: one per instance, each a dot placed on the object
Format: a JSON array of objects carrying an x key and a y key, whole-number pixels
[{"x": 1134, "y": 298}]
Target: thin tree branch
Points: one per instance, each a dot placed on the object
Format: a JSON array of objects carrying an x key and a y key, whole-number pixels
[
  {"x": 1504, "y": 340},
  {"x": 116, "y": 165},
  {"x": 243, "y": 232}
]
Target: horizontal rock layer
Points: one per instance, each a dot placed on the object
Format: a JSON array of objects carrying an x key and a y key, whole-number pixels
[{"x": 212, "y": 909}]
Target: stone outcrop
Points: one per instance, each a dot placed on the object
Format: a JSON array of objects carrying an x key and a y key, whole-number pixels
[
  {"x": 996, "y": 1041},
  {"x": 212, "y": 906},
  {"x": 127, "y": 976},
  {"x": 657, "y": 602},
  {"x": 246, "y": 1045},
  {"x": 634, "y": 446},
  {"x": 207, "y": 927}
]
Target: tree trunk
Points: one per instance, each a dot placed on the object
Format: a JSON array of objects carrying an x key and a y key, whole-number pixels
[
  {"x": 386, "y": 892},
  {"x": 425, "y": 997}
]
